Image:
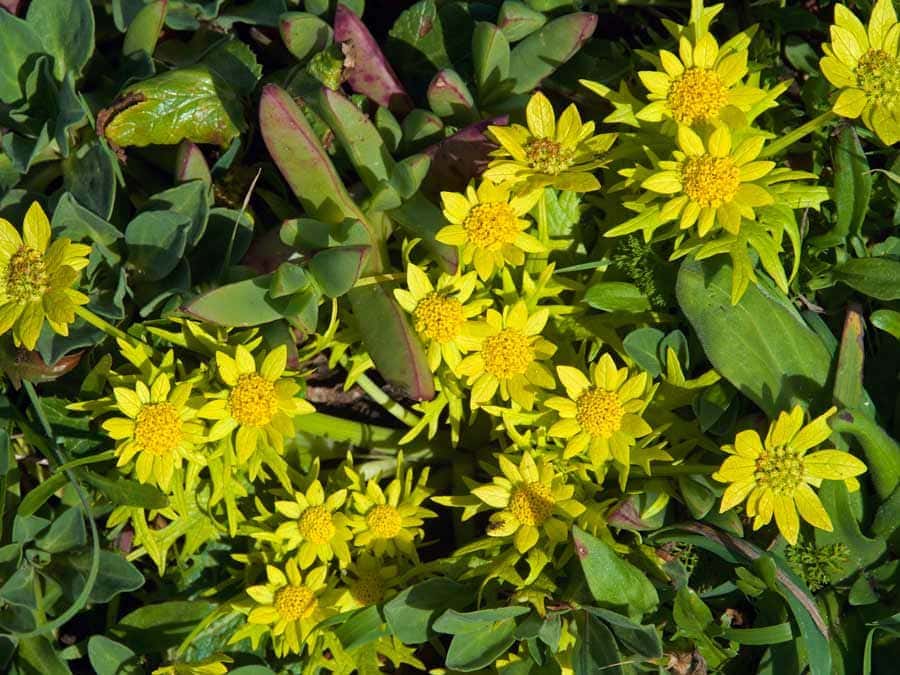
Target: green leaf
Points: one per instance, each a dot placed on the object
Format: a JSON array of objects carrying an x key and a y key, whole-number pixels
[
  {"x": 411, "y": 613},
  {"x": 109, "y": 657},
  {"x": 862, "y": 550},
  {"x": 66, "y": 532},
  {"x": 90, "y": 175},
  {"x": 768, "y": 635},
  {"x": 116, "y": 575},
  {"x": 887, "y": 320},
  {"x": 612, "y": 296},
  {"x": 890, "y": 625},
  {"x": 881, "y": 450},
  {"x": 639, "y": 639},
  {"x": 694, "y": 619},
  {"x": 852, "y": 189},
  {"x": 37, "y": 497},
  {"x": 362, "y": 628},
  {"x": 155, "y": 628},
  {"x": 36, "y": 655},
  {"x": 454, "y": 622},
  {"x": 875, "y": 277},
  {"x": 187, "y": 103},
  {"x": 337, "y": 269},
  {"x": 421, "y": 31},
  {"x": 124, "y": 492},
  {"x": 145, "y": 28},
  {"x": 156, "y": 243},
  {"x": 490, "y": 54},
  {"x": 304, "y": 34},
  {"x": 66, "y": 28},
  {"x": 595, "y": 648},
  {"x": 761, "y": 345},
  {"x": 541, "y": 53},
  {"x": 642, "y": 345},
  {"x": 613, "y": 581},
  {"x": 518, "y": 21},
  {"x": 190, "y": 200},
  {"x": 243, "y": 303},
  {"x": 20, "y": 43},
  {"x": 480, "y": 648},
  {"x": 848, "y": 380}
]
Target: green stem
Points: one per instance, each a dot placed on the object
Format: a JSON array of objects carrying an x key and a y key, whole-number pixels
[
  {"x": 795, "y": 135},
  {"x": 667, "y": 470},
  {"x": 108, "y": 328},
  {"x": 342, "y": 430},
  {"x": 375, "y": 392}
]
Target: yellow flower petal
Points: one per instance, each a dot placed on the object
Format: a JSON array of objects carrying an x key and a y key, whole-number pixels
[
  {"x": 813, "y": 433},
  {"x": 540, "y": 116},
  {"x": 274, "y": 364},
  {"x": 811, "y": 509},
  {"x": 785, "y": 427},
  {"x": 736, "y": 493},
  {"x": 574, "y": 381},
  {"x": 786, "y": 518},
  {"x": 36, "y": 228},
  {"x": 832, "y": 465},
  {"x": 690, "y": 142},
  {"x": 850, "y": 103}
]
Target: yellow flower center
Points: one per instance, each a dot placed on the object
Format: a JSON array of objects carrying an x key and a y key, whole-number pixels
[
  {"x": 710, "y": 181},
  {"x": 507, "y": 353},
  {"x": 439, "y": 317},
  {"x": 696, "y": 95},
  {"x": 491, "y": 224},
  {"x": 26, "y": 275},
  {"x": 368, "y": 589},
  {"x": 384, "y": 521},
  {"x": 316, "y": 525},
  {"x": 599, "y": 412},
  {"x": 548, "y": 156},
  {"x": 157, "y": 428},
  {"x": 253, "y": 401},
  {"x": 295, "y": 602},
  {"x": 531, "y": 503},
  {"x": 780, "y": 469},
  {"x": 878, "y": 74}
]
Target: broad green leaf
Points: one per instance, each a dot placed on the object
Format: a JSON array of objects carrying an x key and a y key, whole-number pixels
[
  {"x": 411, "y": 613},
  {"x": 156, "y": 242},
  {"x": 304, "y": 34},
  {"x": 490, "y": 54},
  {"x": 642, "y": 345},
  {"x": 852, "y": 189},
  {"x": 109, "y": 657},
  {"x": 480, "y": 648},
  {"x": 643, "y": 640},
  {"x": 187, "y": 103},
  {"x": 124, "y": 492},
  {"x": 613, "y": 581},
  {"x": 595, "y": 648},
  {"x": 243, "y": 303},
  {"x": 145, "y": 28},
  {"x": 694, "y": 621},
  {"x": 155, "y": 628},
  {"x": 541, "y": 53},
  {"x": 65, "y": 532},
  {"x": 362, "y": 628},
  {"x": 613, "y": 296},
  {"x": 518, "y": 21},
  {"x": 337, "y": 269},
  {"x": 848, "y": 380},
  {"x": 454, "y": 622},
  {"x": 190, "y": 200},
  {"x": 36, "y": 655},
  {"x": 863, "y": 551},
  {"x": 875, "y": 277},
  {"x": 66, "y": 28},
  {"x": 90, "y": 175},
  {"x": 881, "y": 450},
  {"x": 19, "y": 43},
  {"x": 887, "y": 320},
  {"x": 116, "y": 575},
  {"x": 761, "y": 345}
]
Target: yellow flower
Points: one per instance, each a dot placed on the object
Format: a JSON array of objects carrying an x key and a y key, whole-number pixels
[
  {"x": 35, "y": 277},
  {"x": 548, "y": 153},
  {"x": 775, "y": 477},
  {"x": 534, "y": 500},
  {"x": 865, "y": 65},
  {"x": 315, "y": 527},
  {"x": 698, "y": 84},
  {"x": 369, "y": 582},
  {"x": 709, "y": 184},
  {"x": 158, "y": 428},
  {"x": 602, "y": 414},
  {"x": 507, "y": 358},
  {"x": 259, "y": 403},
  {"x": 488, "y": 227},
  {"x": 390, "y": 520},
  {"x": 292, "y": 604},
  {"x": 441, "y": 315}
]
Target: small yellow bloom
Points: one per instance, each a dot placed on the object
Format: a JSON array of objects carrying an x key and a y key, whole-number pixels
[
  {"x": 560, "y": 154},
  {"x": 35, "y": 279},
  {"x": 534, "y": 499},
  {"x": 214, "y": 665},
  {"x": 602, "y": 414},
  {"x": 390, "y": 520},
  {"x": 315, "y": 527},
  {"x": 260, "y": 403},
  {"x": 865, "y": 64},
  {"x": 159, "y": 428},
  {"x": 710, "y": 185},
  {"x": 441, "y": 314},
  {"x": 697, "y": 85},
  {"x": 775, "y": 477},
  {"x": 292, "y": 604},
  {"x": 508, "y": 357},
  {"x": 487, "y": 224},
  {"x": 369, "y": 582}
]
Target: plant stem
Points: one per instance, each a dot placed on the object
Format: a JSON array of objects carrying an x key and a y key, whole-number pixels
[
  {"x": 376, "y": 393},
  {"x": 342, "y": 430},
  {"x": 106, "y": 327},
  {"x": 795, "y": 135},
  {"x": 666, "y": 470}
]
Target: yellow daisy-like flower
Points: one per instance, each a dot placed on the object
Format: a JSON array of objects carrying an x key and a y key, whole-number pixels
[
  {"x": 775, "y": 476},
  {"x": 602, "y": 414},
  {"x": 865, "y": 64},
  {"x": 369, "y": 582},
  {"x": 389, "y": 521},
  {"x": 315, "y": 527},
  {"x": 712, "y": 184},
  {"x": 534, "y": 500},
  {"x": 35, "y": 279},
  {"x": 560, "y": 154},
  {"x": 292, "y": 604},
  {"x": 507, "y": 358},
  {"x": 159, "y": 428},
  {"x": 698, "y": 84},
  {"x": 260, "y": 403},
  {"x": 487, "y": 225},
  {"x": 441, "y": 314}
]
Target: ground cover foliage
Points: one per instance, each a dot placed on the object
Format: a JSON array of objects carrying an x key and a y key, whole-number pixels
[{"x": 533, "y": 336}]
